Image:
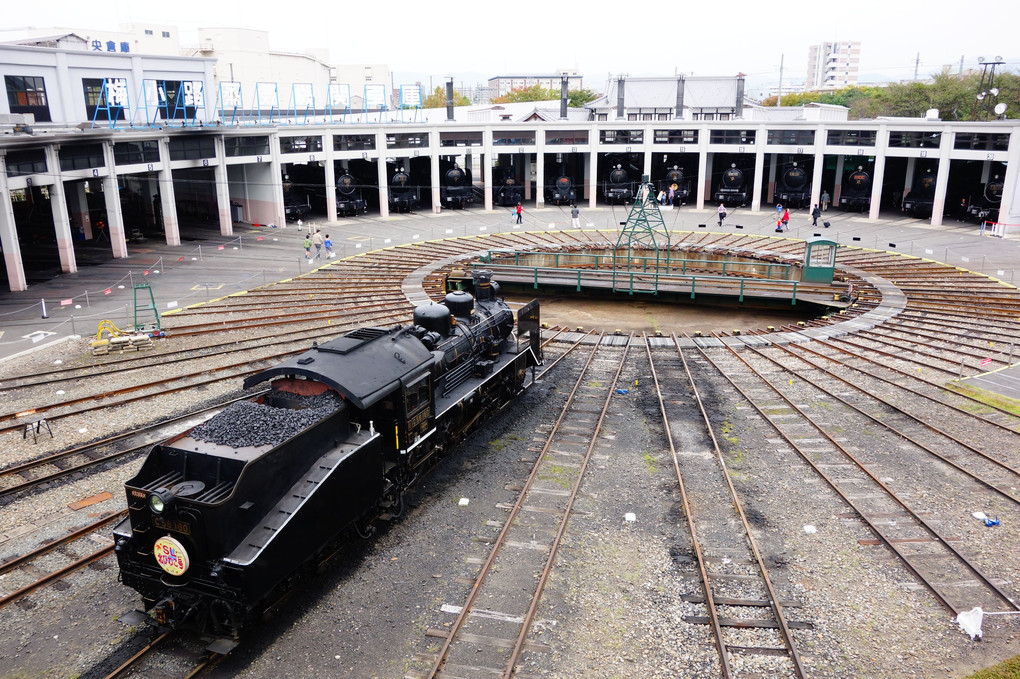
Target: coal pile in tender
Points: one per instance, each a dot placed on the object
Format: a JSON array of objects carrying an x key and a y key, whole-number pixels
[{"x": 247, "y": 423}]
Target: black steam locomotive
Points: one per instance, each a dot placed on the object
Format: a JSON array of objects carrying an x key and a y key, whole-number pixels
[
  {"x": 920, "y": 200},
  {"x": 793, "y": 189},
  {"x": 224, "y": 518},
  {"x": 676, "y": 182},
  {"x": 731, "y": 189},
  {"x": 403, "y": 196},
  {"x": 987, "y": 208},
  {"x": 561, "y": 191},
  {"x": 349, "y": 202},
  {"x": 508, "y": 190},
  {"x": 456, "y": 191},
  {"x": 618, "y": 186},
  {"x": 295, "y": 207},
  {"x": 855, "y": 193}
]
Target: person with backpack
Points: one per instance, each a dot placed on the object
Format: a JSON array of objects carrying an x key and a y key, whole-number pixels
[{"x": 722, "y": 213}]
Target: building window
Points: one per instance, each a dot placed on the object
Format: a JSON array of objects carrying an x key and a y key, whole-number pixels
[
  {"x": 851, "y": 137},
  {"x": 603, "y": 116},
  {"x": 234, "y": 147},
  {"x": 300, "y": 144},
  {"x": 409, "y": 140},
  {"x": 135, "y": 152},
  {"x": 731, "y": 136},
  {"x": 354, "y": 142},
  {"x": 21, "y": 163},
  {"x": 567, "y": 137},
  {"x": 460, "y": 138},
  {"x": 192, "y": 148},
  {"x": 81, "y": 157},
  {"x": 27, "y": 94},
  {"x": 676, "y": 136},
  {"x": 792, "y": 137},
  {"x": 148, "y": 31},
  {"x": 915, "y": 140},
  {"x": 526, "y": 138},
  {"x": 621, "y": 136},
  {"x": 97, "y": 98},
  {"x": 166, "y": 34},
  {"x": 981, "y": 141}
]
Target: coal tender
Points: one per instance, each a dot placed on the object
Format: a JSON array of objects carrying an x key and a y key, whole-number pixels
[{"x": 224, "y": 518}]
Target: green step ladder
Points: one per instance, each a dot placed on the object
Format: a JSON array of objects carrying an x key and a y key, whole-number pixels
[{"x": 144, "y": 305}]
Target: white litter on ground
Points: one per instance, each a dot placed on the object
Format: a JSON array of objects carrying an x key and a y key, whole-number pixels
[
  {"x": 630, "y": 517},
  {"x": 464, "y": 502},
  {"x": 970, "y": 621},
  {"x": 810, "y": 529}
]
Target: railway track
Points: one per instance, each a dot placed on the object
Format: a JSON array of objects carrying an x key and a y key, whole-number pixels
[
  {"x": 924, "y": 550},
  {"x": 479, "y": 636},
  {"x": 746, "y": 615},
  {"x": 21, "y": 575}
]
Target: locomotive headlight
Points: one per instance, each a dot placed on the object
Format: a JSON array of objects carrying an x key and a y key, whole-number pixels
[{"x": 160, "y": 500}]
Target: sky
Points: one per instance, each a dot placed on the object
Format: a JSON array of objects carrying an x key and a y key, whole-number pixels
[{"x": 473, "y": 41}]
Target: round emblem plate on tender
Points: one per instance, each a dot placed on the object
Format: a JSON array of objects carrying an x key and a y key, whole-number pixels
[{"x": 171, "y": 555}]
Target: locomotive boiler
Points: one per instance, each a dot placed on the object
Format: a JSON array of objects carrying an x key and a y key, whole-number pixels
[
  {"x": 731, "y": 188},
  {"x": 402, "y": 195},
  {"x": 986, "y": 209},
  {"x": 794, "y": 190},
  {"x": 676, "y": 182},
  {"x": 456, "y": 191},
  {"x": 349, "y": 202},
  {"x": 561, "y": 191},
  {"x": 618, "y": 186},
  {"x": 295, "y": 207},
  {"x": 224, "y": 518},
  {"x": 855, "y": 193},
  {"x": 920, "y": 200},
  {"x": 508, "y": 190}
]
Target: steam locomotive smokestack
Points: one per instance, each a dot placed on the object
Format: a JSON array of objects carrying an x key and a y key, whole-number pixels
[
  {"x": 619, "y": 97},
  {"x": 740, "y": 96},
  {"x": 564, "y": 81},
  {"x": 679, "y": 97},
  {"x": 449, "y": 101}
]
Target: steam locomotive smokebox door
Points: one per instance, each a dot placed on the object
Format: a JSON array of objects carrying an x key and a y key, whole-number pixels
[{"x": 819, "y": 260}]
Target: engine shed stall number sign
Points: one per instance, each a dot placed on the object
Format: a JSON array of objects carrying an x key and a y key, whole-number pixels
[{"x": 171, "y": 555}]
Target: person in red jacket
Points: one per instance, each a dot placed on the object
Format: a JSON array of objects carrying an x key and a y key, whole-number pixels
[
  {"x": 786, "y": 219},
  {"x": 519, "y": 211}
]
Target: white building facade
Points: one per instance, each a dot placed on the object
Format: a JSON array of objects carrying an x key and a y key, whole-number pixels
[{"x": 833, "y": 65}]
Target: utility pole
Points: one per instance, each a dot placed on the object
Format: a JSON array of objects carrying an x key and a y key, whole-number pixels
[
  {"x": 917, "y": 64},
  {"x": 779, "y": 99},
  {"x": 961, "y": 66}
]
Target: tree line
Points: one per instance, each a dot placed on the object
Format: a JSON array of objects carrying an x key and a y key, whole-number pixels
[
  {"x": 955, "y": 96},
  {"x": 577, "y": 98}
]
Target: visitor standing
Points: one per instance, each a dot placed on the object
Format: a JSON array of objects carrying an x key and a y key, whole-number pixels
[
  {"x": 815, "y": 214},
  {"x": 575, "y": 216},
  {"x": 722, "y": 213}
]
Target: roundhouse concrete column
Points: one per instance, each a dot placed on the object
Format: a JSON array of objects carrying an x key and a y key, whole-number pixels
[
  {"x": 759, "y": 170},
  {"x": 908, "y": 178},
  {"x": 78, "y": 206},
  {"x": 986, "y": 167},
  {"x": 1009, "y": 208},
  {"x": 9, "y": 235},
  {"x": 593, "y": 170},
  {"x": 540, "y": 168},
  {"x": 61, "y": 223},
  {"x": 276, "y": 180},
  {"x": 114, "y": 213},
  {"x": 816, "y": 175},
  {"x": 773, "y": 159},
  {"x": 942, "y": 176},
  {"x": 527, "y": 176},
  {"x": 222, "y": 188},
  {"x": 380, "y": 164},
  {"x": 881, "y": 145},
  {"x": 705, "y": 162},
  {"x": 331, "y": 179},
  {"x": 167, "y": 198},
  {"x": 436, "y": 148},
  {"x": 487, "y": 168},
  {"x": 837, "y": 187}
]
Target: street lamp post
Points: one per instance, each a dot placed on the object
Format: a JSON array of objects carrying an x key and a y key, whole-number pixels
[{"x": 987, "y": 89}]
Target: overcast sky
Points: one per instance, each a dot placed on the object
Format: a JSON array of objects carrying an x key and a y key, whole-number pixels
[{"x": 476, "y": 40}]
